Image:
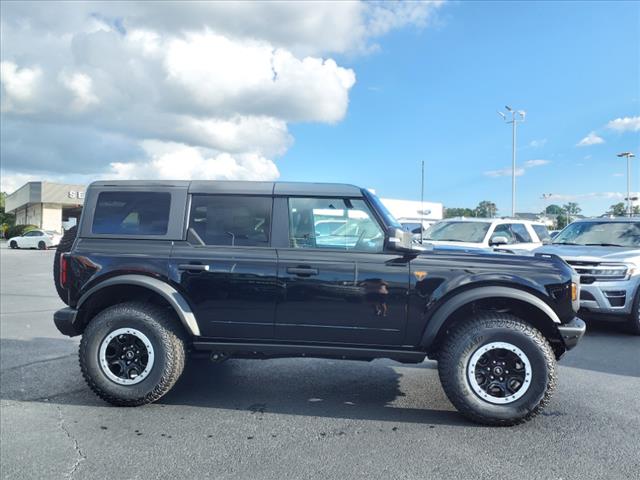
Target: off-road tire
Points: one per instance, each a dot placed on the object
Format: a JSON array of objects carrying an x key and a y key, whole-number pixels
[
  {"x": 466, "y": 338},
  {"x": 167, "y": 337},
  {"x": 13, "y": 244},
  {"x": 42, "y": 245},
  {"x": 63, "y": 247},
  {"x": 633, "y": 322}
]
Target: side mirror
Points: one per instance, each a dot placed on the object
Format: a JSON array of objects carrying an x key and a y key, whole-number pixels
[
  {"x": 399, "y": 240},
  {"x": 498, "y": 240}
]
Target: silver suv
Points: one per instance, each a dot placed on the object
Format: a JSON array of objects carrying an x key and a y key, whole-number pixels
[{"x": 605, "y": 252}]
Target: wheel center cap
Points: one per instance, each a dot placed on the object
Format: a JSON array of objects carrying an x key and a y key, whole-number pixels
[
  {"x": 498, "y": 371},
  {"x": 129, "y": 355}
]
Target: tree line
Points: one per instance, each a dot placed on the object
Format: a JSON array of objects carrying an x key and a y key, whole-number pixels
[{"x": 562, "y": 214}]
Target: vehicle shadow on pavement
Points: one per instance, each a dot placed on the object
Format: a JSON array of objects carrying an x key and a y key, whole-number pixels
[
  {"x": 316, "y": 387},
  {"x": 47, "y": 371}
]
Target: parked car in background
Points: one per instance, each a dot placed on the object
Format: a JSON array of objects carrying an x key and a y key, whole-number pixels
[
  {"x": 605, "y": 252},
  {"x": 554, "y": 233},
  {"x": 40, "y": 239},
  {"x": 488, "y": 233}
]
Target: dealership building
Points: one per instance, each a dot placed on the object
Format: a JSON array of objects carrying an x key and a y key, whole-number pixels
[{"x": 50, "y": 206}]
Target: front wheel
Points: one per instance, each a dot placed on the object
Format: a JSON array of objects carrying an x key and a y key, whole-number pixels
[
  {"x": 633, "y": 322},
  {"x": 132, "y": 353},
  {"x": 13, "y": 244},
  {"x": 497, "y": 369}
]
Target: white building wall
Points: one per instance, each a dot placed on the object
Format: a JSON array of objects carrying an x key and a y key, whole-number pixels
[
  {"x": 34, "y": 215},
  {"x": 412, "y": 210},
  {"x": 51, "y": 217}
]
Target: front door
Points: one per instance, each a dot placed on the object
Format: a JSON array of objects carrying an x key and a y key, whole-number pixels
[
  {"x": 227, "y": 267},
  {"x": 339, "y": 284}
]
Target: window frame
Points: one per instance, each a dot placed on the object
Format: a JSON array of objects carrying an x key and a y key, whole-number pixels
[
  {"x": 250, "y": 247},
  {"x": 175, "y": 226},
  {"x": 286, "y": 225}
]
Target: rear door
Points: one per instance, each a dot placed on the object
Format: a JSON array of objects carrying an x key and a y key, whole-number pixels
[
  {"x": 340, "y": 286},
  {"x": 227, "y": 267}
]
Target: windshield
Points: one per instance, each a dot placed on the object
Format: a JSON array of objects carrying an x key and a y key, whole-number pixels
[
  {"x": 458, "y": 231},
  {"x": 615, "y": 234},
  {"x": 389, "y": 219}
]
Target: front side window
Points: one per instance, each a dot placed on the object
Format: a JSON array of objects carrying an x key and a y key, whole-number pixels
[
  {"x": 232, "y": 220},
  {"x": 520, "y": 233},
  {"x": 352, "y": 226},
  {"x": 542, "y": 232},
  {"x": 132, "y": 213},
  {"x": 33, "y": 233}
]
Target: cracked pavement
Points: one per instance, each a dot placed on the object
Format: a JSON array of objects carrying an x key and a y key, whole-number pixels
[{"x": 294, "y": 418}]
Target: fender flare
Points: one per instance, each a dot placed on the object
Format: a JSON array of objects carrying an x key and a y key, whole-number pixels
[
  {"x": 440, "y": 316},
  {"x": 166, "y": 291}
]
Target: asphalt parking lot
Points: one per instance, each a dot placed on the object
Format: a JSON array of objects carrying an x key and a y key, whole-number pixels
[{"x": 297, "y": 418}]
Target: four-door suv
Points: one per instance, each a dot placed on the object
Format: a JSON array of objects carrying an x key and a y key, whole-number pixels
[
  {"x": 487, "y": 233},
  {"x": 159, "y": 269},
  {"x": 606, "y": 254}
]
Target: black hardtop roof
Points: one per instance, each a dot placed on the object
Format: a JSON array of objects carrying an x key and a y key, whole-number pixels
[{"x": 240, "y": 187}]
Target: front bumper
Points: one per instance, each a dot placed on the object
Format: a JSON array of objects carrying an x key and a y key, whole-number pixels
[
  {"x": 572, "y": 332},
  {"x": 610, "y": 298},
  {"x": 65, "y": 320}
]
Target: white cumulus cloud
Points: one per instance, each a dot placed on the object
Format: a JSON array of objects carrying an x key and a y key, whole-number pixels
[
  {"x": 504, "y": 172},
  {"x": 592, "y": 139},
  {"x": 625, "y": 124},
  {"x": 180, "y": 90},
  {"x": 536, "y": 163}
]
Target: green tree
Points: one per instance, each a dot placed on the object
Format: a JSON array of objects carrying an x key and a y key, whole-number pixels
[
  {"x": 569, "y": 212},
  {"x": 458, "y": 212},
  {"x": 554, "y": 209},
  {"x": 486, "y": 209},
  {"x": 618, "y": 209},
  {"x": 7, "y": 220}
]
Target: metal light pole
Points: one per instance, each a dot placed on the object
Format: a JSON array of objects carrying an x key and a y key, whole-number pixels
[
  {"x": 422, "y": 203},
  {"x": 516, "y": 116},
  {"x": 629, "y": 156}
]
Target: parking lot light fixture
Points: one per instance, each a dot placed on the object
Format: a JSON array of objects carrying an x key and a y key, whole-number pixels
[
  {"x": 629, "y": 156},
  {"x": 516, "y": 116}
]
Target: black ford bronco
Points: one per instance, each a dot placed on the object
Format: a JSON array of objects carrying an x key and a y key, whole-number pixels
[{"x": 159, "y": 270}]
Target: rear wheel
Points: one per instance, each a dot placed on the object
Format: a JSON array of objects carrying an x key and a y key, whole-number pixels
[
  {"x": 132, "y": 353},
  {"x": 42, "y": 245},
  {"x": 13, "y": 244},
  {"x": 497, "y": 370},
  {"x": 64, "y": 246}
]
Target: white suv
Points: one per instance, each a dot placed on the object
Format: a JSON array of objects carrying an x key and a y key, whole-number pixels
[{"x": 488, "y": 233}]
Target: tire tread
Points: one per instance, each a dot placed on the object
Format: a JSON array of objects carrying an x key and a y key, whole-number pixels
[
  {"x": 468, "y": 328},
  {"x": 173, "y": 338}
]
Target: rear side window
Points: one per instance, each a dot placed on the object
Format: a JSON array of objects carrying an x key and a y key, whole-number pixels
[
  {"x": 232, "y": 220},
  {"x": 521, "y": 233},
  {"x": 542, "y": 232},
  {"x": 132, "y": 213}
]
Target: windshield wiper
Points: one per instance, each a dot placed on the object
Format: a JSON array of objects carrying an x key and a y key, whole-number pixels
[
  {"x": 444, "y": 240},
  {"x": 604, "y": 245},
  {"x": 565, "y": 243}
]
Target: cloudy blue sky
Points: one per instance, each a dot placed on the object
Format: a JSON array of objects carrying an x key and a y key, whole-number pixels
[{"x": 357, "y": 92}]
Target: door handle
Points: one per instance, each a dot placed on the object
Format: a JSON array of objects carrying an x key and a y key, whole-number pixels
[
  {"x": 302, "y": 271},
  {"x": 194, "y": 267}
]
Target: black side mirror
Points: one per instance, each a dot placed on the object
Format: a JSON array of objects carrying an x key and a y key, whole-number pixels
[{"x": 399, "y": 240}]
